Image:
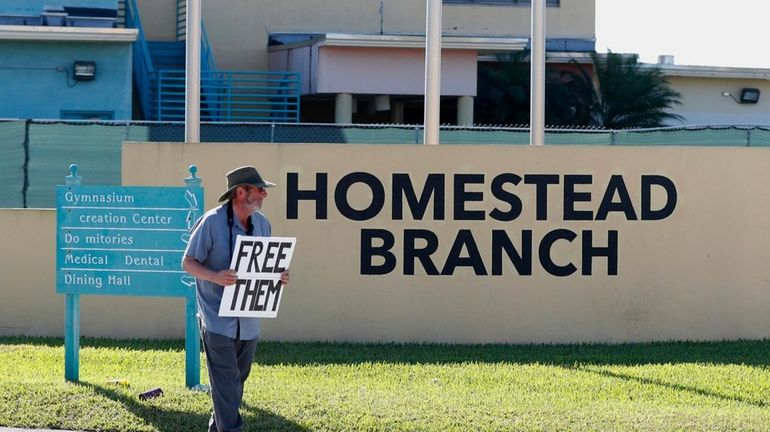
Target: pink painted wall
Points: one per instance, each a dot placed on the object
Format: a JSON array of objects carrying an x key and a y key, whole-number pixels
[{"x": 393, "y": 71}]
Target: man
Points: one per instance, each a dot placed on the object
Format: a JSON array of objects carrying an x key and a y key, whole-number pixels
[{"x": 229, "y": 342}]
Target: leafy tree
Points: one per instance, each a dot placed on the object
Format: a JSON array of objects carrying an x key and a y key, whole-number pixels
[
  {"x": 503, "y": 93},
  {"x": 620, "y": 93},
  {"x": 567, "y": 99},
  {"x": 623, "y": 94}
]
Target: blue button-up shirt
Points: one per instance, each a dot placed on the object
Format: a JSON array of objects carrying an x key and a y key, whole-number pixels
[{"x": 210, "y": 245}]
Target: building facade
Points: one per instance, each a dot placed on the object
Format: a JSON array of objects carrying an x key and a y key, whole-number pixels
[
  {"x": 714, "y": 95},
  {"x": 358, "y": 61},
  {"x": 363, "y": 60},
  {"x": 65, "y": 59}
]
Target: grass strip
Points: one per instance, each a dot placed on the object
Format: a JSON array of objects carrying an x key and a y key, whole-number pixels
[{"x": 709, "y": 386}]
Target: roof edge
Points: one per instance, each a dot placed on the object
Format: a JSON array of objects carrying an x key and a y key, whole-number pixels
[{"x": 73, "y": 34}]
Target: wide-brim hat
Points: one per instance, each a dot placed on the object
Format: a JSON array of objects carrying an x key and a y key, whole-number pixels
[{"x": 246, "y": 175}]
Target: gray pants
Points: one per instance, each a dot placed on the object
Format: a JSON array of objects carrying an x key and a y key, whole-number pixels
[{"x": 229, "y": 363}]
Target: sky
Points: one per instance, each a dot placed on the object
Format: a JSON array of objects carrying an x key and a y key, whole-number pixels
[{"x": 732, "y": 33}]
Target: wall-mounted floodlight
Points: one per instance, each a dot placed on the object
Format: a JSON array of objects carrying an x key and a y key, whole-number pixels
[
  {"x": 84, "y": 70},
  {"x": 749, "y": 95}
]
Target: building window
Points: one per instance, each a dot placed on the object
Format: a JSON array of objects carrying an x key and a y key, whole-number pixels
[{"x": 550, "y": 3}]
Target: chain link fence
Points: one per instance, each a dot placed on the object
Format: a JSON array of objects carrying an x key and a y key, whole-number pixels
[{"x": 35, "y": 154}]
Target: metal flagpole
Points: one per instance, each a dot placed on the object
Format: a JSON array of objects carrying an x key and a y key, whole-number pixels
[
  {"x": 537, "y": 80},
  {"x": 192, "y": 115},
  {"x": 432, "y": 105}
]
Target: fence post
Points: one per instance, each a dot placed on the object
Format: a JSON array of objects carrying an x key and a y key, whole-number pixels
[
  {"x": 748, "y": 137},
  {"x": 416, "y": 134},
  {"x": 272, "y": 133},
  {"x": 25, "y": 185},
  {"x": 613, "y": 134}
]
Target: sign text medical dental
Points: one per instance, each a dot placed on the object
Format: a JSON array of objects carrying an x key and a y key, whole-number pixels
[{"x": 475, "y": 197}]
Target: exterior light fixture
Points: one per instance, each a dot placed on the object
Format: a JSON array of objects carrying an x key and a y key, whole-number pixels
[
  {"x": 84, "y": 70},
  {"x": 749, "y": 95}
]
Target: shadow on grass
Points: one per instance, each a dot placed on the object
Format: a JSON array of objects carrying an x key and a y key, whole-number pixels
[
  {"x": 258, "y": 419},
  {"x": 748, "y": 352},
  {"x": 677, "y": 387},
  {"x": 162, "y": 419},
  {"x": 170, "y": 420}
]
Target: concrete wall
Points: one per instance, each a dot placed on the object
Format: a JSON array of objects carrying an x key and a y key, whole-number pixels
[
  {"x": 159, "y": 19},
  {"x": 238, "y": 29},
  {"x": 30, "y": 305},
  {"x": 43, "y": 86},
  {"x": 703, "y": 103},
  {"x": 697, "y": 272}
]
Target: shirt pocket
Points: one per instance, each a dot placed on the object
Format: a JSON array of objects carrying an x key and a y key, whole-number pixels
[{"x": 220, "y": 253}]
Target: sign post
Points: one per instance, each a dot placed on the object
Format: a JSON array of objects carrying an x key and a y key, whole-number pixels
[
  {"x": 71, "y": 308},
  {"x": 192, "y": 339},
  {"x": 125, "y": 240}
]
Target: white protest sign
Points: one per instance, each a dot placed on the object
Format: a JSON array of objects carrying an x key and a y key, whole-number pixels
[{"x": 259, "y": 262}]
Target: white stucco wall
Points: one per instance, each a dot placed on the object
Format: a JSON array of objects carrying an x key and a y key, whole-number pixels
[{"x": 703, "y": 102}]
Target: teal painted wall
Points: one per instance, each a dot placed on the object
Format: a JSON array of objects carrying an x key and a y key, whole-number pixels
[
  {"x": 35, "y": 7},
  {"x": 37, "y": 79}
]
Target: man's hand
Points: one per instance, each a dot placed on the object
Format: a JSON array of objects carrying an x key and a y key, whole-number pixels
[
  {"x": 225, "y": 277},
  {"x": 285, "y": 277}
]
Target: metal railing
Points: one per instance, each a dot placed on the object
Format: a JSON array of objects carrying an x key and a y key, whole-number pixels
[
  {"x": 207, "y": 55},
  {"x": 232, "y": 96},
  {"x": 144, "y": 72},
  {"x": 225, "y": 95}
]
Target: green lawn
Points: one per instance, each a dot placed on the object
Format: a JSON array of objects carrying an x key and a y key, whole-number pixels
[{"x": 721, "y": 386}]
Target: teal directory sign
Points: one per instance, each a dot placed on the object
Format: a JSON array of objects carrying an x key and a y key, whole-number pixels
[{"x": 125, "y": 240}]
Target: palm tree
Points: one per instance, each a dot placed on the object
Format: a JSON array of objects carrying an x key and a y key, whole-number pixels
[
  {"x": 620, "y": 94},
  {"x": 624, "y": 94}
]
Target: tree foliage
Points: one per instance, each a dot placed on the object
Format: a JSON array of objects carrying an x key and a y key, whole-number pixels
[
  {"x": 621, "y": 93},
  {"x": 628, "y": 95},
  {"x": 504, "y": 90}
]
